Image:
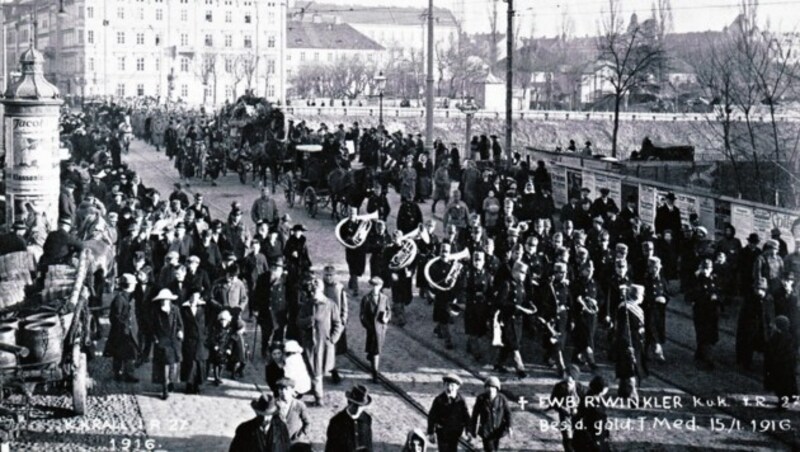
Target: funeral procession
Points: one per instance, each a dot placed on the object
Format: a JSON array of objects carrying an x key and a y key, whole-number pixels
[{"x": 357, "y": 226}]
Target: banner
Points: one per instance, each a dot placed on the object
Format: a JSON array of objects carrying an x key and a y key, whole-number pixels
[
  {"x": 613, "y": 184},
  {"x": 558, "y": 177},
  {"x": 765, "y": 221},
  {"x": 647, "y": 205}
]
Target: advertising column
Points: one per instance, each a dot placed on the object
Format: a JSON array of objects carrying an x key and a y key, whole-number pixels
[{"x": 30, "y": 141}]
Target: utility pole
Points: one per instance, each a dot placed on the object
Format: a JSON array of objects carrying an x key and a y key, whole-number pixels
[
  {"x": 509, "y": 75},
  {"x": 429, "y": 84}
]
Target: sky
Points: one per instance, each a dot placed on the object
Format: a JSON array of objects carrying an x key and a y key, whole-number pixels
[{"x": 545, "y": 16}]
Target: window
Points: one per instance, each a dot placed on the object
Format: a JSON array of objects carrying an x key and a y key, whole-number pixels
[
  {"x": 140, "y": 64},
  {"x": 228, "y": 65},
  {"x": 184, "y": 64},
  {"x": 140, "y": 39},
  {"x": 247, "y": 18},
  {"x": 184, "y": 90},
  {"x": 184, "y": 39},
  {"x": 271, "y": 41},
  {"x": 271, "y": 91},
  {"x": 90, "y": 12},
  {"x": 90, "y": 36},
  {"x": 158, "y": 40},
  {"x": 248, "y": 42},
  {"x": 141, "y": 14},
  {"x": 121, "y": 13},
  {"x": 316, "y": 56},
  {"x": 288, "y": 73},
  {"x": 302, "y": 56},
  {"x": 209, "y": 16},
  {"x": 369, "y": 57},
  {"x": 271, "y": 17},
  {"x": 330, "y": 56},
  {"x": 228, "y": 17},
  {"x": 270, "y": 66},
  {"x": 120, "y": 37},
  {"x": 207, "y": 92},
  {"x": 228, "y": 40},
  {"x": 158, "y": 64},
  {"x": 184, "y": 15},
  {"x": 90, "y": 64},
  {"x": 121, "y": 64},
  {"x": 159, "y": 14},
  {"x": 209, "y": 41},
  {"x": 140, "y": 89},
  {"x": 228, "y": 92},
  {"x": 120, "y": 90}
]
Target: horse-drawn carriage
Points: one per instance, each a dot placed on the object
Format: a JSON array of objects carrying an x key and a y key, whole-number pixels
[{"x": 43, "y": 329}]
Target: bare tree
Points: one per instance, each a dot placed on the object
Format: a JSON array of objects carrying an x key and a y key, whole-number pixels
[
  {"x": 207, "y": 71},
  {"x": 627, "y": 58},
  {"x": 494, "y": 32},
  {"x": 247, "y": 66}
]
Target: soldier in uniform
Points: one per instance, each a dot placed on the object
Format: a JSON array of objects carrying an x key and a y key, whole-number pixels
[
  {"x": 427, "y": 246},
  {"x": 754, "y": 326},
  {"x": 476, "y": 286},
  {"x": 584, "y": 310},
  {"x": 656, "y": 298},
  {"x": 400, "y": 280},
  {"x": 629, "y": 341},
  {"x": 377, "y": 242},
  {"x": 513, "y": 299},
  {"x": 554, "y": 309},
  {"x": 443, "y": 304},
  {"x": 271, "y": 307},
  {"x": 356, "y": 257},
  {"x": 336, "y": 292}
]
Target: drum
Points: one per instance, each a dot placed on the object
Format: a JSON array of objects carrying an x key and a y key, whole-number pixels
[
  {"x": 43, "y": 340},
  {"x": 8, "y": 335}
]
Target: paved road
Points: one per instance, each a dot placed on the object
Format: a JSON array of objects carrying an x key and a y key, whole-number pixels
[{"x": 413, "y": 362}]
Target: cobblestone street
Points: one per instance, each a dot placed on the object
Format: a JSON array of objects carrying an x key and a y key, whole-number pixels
[{"x": 414, "y": 361}]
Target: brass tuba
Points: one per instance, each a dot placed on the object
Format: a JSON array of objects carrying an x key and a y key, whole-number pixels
[
  {"x": 407, "y": 253},
  {"x": 360, "y": 236},
  {"x": 443, "y": 273}
]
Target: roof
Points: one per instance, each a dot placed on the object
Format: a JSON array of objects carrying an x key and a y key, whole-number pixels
[
  {"x": 308, "y": 35},
  {"x": 380, "y": 15}
]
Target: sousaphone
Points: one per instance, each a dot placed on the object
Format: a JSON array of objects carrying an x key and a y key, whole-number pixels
[
  {"x": 359, "y": 237},
  {"x": 442, "y": 273}
]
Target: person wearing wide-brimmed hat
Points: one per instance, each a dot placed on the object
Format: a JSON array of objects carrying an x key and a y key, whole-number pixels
[
  {"x": 123, "y": 343},
  {"x": 264, "y": 433},
  {"x": 167, "y": 335},
  {"x": 491, "y": 416},
  {"x": 350, "y": 430},
  {"x": 194, "y": 348},
  {"x": 448, "y": 417},
  {"x": 376, "y": 312}
]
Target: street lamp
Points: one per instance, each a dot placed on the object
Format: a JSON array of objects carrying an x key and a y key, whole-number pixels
[
  {"x": 380, "y": 84},
  {"x": 469, "y": 108}
]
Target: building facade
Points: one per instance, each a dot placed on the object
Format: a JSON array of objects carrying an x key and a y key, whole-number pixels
[{"x": 196, "y": 51}]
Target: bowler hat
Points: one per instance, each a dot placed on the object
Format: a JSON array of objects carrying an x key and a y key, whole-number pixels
[
  {"x": 359, "y": 395},
  {"x": 604, "y": 191},
  {"x": 265, "y": 405},
  {"x": 671, "y": 196},
  {"x": 753, "y": 238},
  {"x": 299, "y": 227}
]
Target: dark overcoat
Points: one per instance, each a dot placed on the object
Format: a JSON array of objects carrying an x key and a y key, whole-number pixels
[
  {"x": 194, "y": 348},
  {"x": 346, "y": 434},
  {"x": 123, "y": 335},
  {"x": 375, "y": 316}
]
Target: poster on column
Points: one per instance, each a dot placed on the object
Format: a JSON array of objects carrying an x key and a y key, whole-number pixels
[
  {"x": 613, "y": 184},
  {"x": 742, "y": 220},
  {"x": 558, "y": 177},
  {"x": 705, "y": 210},
  {"x": 647, "y": 204}
]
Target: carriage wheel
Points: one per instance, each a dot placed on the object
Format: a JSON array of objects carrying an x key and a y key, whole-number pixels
[
  {"x": 310, "y": 201},
  {"x": 79, "y": 372}
]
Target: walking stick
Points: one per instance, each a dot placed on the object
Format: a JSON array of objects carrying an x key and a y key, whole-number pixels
[{"x": 255, "y": 342}]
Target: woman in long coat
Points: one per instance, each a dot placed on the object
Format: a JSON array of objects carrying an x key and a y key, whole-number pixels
[
  {"x": 123, "y": 343},
  {"x": 194, "y": 350},
  {"x": 376, "y": 311},
  {"x": 167, "y": 336}
]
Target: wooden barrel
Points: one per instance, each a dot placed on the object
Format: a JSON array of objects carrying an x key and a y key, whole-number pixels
[
  {"x": 8, "y": 335},
  {"x": 43, "y": 339}
]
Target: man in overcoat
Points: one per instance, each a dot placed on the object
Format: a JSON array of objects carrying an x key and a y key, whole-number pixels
[
  {"x": 350, "y": 430},
  {"x": 376, "y": 312},
  {"x": 265, "y": 432},
  {"x": 320, "y": 327},
  {"x": 123, "y": 343},
  {"x": 448, "y": 418},
  {"x": 194, "y": 348},
  {"x": 167, "y": 336}
]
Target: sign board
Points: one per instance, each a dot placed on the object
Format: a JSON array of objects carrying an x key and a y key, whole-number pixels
[
  {"x": 764, "y": 221},
  {"x": 705, "y": 210},
  {"x": 647, "y": 205},
  {"x": 558, "y": 177}
]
